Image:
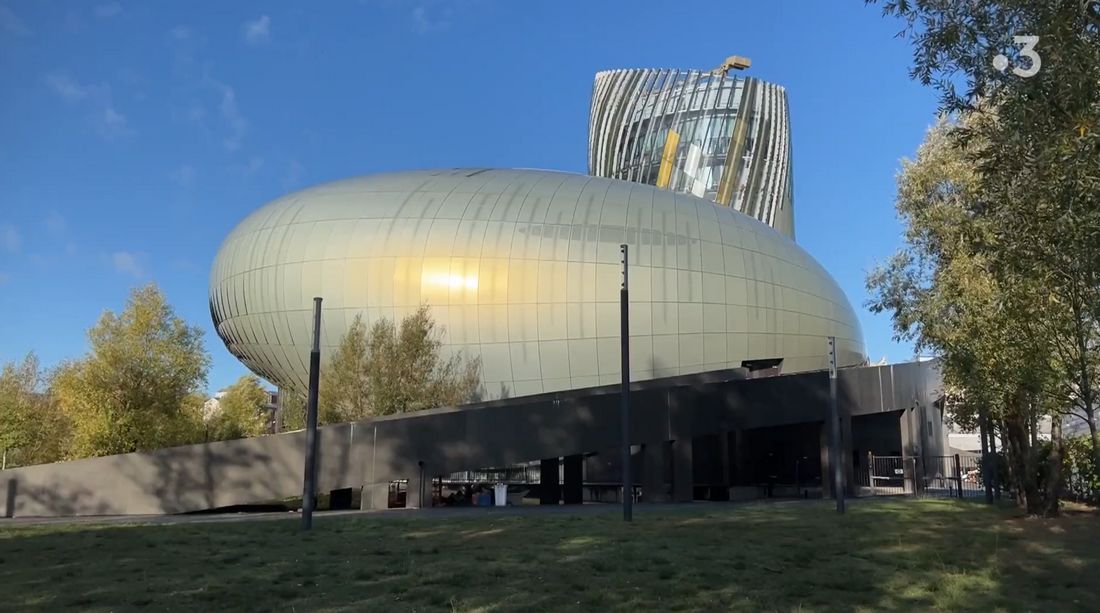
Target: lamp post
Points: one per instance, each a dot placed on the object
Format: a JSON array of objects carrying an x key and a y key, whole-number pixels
[
  {"x": 624, "y": 392},
  {"x": 309, "y": 482},
  {"x": 834, "y": 418}
]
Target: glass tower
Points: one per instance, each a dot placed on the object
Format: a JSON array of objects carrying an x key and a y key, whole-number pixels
[{"x": 705, "y": 133}]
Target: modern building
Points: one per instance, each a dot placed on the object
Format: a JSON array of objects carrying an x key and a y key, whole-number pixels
[
  {"x": 707, "y": 133},
  {"x": 522, "y": 268}
]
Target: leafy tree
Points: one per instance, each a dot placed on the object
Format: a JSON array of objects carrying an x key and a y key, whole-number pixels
[
  {"x": 407, "y": 372},
  {"x": 394, "y": 369},
  {"x": 136, "y": 389},
  {"x": 1035, "y": 155},
  {"x": 944, "y": 294},
  {"x": 294, "y": 410},
  {"x": 241, "y": 411},
  {"x": 32, "y": 430},
  {"x": 1083, "y": 482},
  {"x": 345, "y": 387}
]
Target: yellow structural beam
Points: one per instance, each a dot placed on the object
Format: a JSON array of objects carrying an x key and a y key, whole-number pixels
[{"x": 668, "y": 158}]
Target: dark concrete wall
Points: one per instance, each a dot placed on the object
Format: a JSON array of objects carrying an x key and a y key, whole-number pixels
[{"x": 439, "y": 441}]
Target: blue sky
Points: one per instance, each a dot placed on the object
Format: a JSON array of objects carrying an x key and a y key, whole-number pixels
[{"x": 135, "y": 135}]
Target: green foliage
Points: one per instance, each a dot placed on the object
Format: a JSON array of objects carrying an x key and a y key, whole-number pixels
[
  {"x": 294, "y": 410},
  {"x": 945, "y": 292},
  {"x": 1082, "y": 479},
  {"x": 241, "y": 411},
  {"x": 136, "y": 388},
  {"x": 32, "y": 430},
  {"x": 1001, "y": 274},
  {"x": 394, "y": 369},
  {"x": 345, "y": 384}
]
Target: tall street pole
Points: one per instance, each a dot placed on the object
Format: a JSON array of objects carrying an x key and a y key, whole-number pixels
[
  {"x": 624, "y": 392},
  {"x": 309, "y": 483},
  {"x": 836, "y": 456}
]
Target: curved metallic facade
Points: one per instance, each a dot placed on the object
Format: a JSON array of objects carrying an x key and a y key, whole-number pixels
[
  {"x": 718, "y": 137},
  {"x": 522, "y": 269}
]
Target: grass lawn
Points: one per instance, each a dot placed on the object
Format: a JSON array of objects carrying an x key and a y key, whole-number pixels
[{"x": 882, "y": 555}]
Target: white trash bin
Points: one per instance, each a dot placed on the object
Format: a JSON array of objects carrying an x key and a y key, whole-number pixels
[{"x": 500, "y": 494}]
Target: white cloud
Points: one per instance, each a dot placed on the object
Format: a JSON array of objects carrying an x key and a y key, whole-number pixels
[
  {"x": 232, "y": 116},
  {"x": 180, "y": 32},
  {"x": 108, "y": 10},
  {"x": 113, "y": 124},
  {"x": 205, "y": 101},
  {"x": 66, "y": 87},
  {"x": 258, "y": 32},
  {"x": 108, "y": 121},
  {"x": 185, "y": 175},
  {"x": 127, "y": 263},
  {"x": 55, "y": 224},
  {"x": 11, "y": 23},
  {"x": 10, "y": 240}
]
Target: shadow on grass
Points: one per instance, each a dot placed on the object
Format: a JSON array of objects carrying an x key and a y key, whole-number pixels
[{"x": 882, "y": 555}]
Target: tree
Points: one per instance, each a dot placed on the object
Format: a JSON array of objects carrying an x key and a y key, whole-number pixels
[
  {"x": 32, "y": 430},
  {"x": 241, "y": 411},
  {"x": 395, "y": 369},
  {"x": 344, "y": 387},
  {"x": 136, "y": 388},
  {"x": 294, "y": 410},
  {"x": 943, "y": 293},
  {"x": 1037, "y": 172}
]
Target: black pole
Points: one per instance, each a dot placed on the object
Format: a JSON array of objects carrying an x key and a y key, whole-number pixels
[
  {"x": 959, "y": 475},
  {"x": 624, "y": 392},
  {"x": 834, "y": 417},
  {"x": 309, "y": 482}
]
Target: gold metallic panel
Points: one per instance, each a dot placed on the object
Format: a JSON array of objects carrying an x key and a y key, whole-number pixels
[
  {"x": 538, "y": 314},
  {"x": 668, "y": 158},
  {"x": 731, "y": 171}
]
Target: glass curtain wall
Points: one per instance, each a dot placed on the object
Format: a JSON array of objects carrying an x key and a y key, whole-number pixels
[{"x": 717, "y": 137}]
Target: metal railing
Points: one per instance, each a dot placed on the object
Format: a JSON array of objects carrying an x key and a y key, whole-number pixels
[{"x": 508, "y": 474}]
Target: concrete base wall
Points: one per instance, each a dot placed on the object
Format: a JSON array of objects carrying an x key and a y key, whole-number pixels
[{"x": 497, "y": 433}]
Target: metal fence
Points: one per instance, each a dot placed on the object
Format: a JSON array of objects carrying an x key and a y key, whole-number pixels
[
  {"x": 889, "y": 475},
  {"x": 953, "y": 476}
]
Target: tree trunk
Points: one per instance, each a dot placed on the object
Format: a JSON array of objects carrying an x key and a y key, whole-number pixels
[
  {"x": 1084, "y": 383},
  {"x": 1055, "y": 473},
  {"x": 1094, "y": 439},
  {"x": 987, "y": 463},
  {"x": 1020, "y": 457},
  {"x": 996, "y": 475}
]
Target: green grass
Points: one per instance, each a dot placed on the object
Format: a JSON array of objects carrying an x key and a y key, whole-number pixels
[{"x": 882, "y": 555}]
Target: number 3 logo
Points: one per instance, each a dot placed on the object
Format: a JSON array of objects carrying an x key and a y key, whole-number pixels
[{"x": 1029, "y": 52}]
